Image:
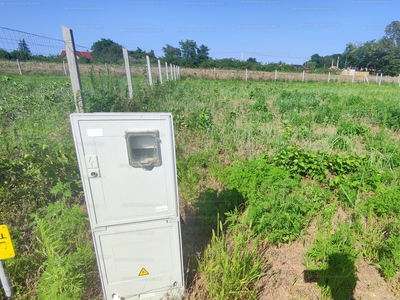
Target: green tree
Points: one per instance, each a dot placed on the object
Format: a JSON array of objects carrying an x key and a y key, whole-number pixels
[
  {"x": 4, "y": 54},
  {"x": 387, "y": 57},
  {"x": 151, "y": 54},
  {"x": 189, "y": 49},
  {"x": 140, "y": 54},
  {"x": 189, "y": 53},
  {"x": 311, "y": 64},
  {"x": 22, "y": 53},
  {"x": 19, "y": 54},
  {"x": 137, "y": 54},
  {"x": 203, "y": 53},
  {"x": 350, "y": 55},
  {"x": 392, "y": 31},
  {"x": 23, "y": 46},
  {"x": 382, "y": 55},
  {"x": 172, "y": 54},
  {"x": 106, "y": 50},
  {"x": 317, "y": 59}
]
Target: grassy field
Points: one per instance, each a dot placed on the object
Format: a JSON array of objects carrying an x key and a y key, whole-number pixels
[{"x": 263, "y": 167}]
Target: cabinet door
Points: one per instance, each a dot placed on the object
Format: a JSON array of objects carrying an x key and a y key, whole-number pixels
[
  {"x": 128, "y": 168},
  {"x": 143, "y": 260}
]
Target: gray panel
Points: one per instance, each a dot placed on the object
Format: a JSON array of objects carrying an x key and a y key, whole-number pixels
[
  {"x": 141, "y": 259},
  {"x": 133, "y": 206},
  {"x": 116, "y": 192}
]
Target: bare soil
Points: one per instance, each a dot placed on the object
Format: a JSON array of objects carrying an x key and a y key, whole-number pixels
[{"x": 286, "y": 280}]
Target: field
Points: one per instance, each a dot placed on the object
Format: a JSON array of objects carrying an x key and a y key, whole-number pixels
[
  {"x": 288, "y": 190},
  {"x": 137, "y": 68}
]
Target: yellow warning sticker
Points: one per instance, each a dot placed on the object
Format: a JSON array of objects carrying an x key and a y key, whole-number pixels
[
  {"x": 6, "y": 246},
  {"x": 143, "y": 272}
]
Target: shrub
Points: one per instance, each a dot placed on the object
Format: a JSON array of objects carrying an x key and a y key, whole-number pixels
[{"x": 63, "y": 234}]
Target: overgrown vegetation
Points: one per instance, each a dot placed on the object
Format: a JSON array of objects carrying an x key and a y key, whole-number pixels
[
  {"x": 264, "y": 158},
  {"x": 233, "y": 263}
]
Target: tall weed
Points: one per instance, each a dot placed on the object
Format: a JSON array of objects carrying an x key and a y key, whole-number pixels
[
  {"x": 232, "y": 264},
  {"x": 69, "y": 261}
]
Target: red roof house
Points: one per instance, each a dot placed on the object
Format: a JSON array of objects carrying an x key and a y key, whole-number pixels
[{"x": 79, "y": 54}]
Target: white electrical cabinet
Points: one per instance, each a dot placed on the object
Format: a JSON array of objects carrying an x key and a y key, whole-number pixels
[{"x": 128, "y": 170}]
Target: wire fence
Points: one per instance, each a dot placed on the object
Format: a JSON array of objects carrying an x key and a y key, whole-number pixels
[
  {"x": 288, "y": 76},
  {"x": 41, "y": 48},
  {"x": 37, "y": 45}
]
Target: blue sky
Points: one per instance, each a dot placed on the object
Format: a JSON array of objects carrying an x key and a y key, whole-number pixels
[{"x": 269, "y": 30}]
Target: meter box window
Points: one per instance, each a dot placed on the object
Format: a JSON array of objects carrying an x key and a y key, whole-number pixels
[
  {"x": 143, "y": 149},
  {"x": 128, "y": 170}
]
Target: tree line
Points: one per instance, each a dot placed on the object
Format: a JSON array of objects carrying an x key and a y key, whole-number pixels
[
  {"x": 23, "y": 53},
  {"x": 380, "y": 56},
  {"x": 188, "y": 55}
]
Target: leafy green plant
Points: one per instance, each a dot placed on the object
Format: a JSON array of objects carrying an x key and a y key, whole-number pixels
[
  {"x": 261, "y": 111},
  {"x": 389, "y": 250},
  {"x": 305, "y": 132},
  {"x": 317, "y": 165},
  {"x": 281, "y": 218},
  {"x": 351, "y": 129},
  {"x": 201, "y": 120},
  {"x": 354, "y": 100},
  {"x": 390, "y": 116},
  {"x": 326, "y": 114},
  {"x": 276, "y": 204},
  {"x": 303, "y": 163},
  {"x": 386, "y": 202}
]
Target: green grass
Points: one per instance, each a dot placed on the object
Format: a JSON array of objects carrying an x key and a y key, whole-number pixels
[
  {"x": 233, "y": 263},
  {"x": 266, "y": 157},
  {"x": 69, "y": 261}
]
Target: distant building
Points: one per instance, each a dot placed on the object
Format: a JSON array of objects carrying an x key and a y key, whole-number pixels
[{"x": 79, "y": 54}]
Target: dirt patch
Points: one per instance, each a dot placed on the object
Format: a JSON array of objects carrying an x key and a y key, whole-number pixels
[
  {"x": 194, "y": 240},
  {"x": 371, "y": 285},
  {"x": 285, "y": 279}
]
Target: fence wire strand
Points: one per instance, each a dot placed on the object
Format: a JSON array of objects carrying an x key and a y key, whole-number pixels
[{"x": 11, "y": 39}]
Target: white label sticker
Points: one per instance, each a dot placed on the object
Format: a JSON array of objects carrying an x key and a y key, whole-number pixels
[
  {"x": 161, "y": 208},
  {"x": 143, "y": 296},
  {"x": 95, "y": 132}
]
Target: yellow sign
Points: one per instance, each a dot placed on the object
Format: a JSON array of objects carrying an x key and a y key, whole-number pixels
[
  {"x": 143, "y": 272},
  {"x": 6, "y": 247}
]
